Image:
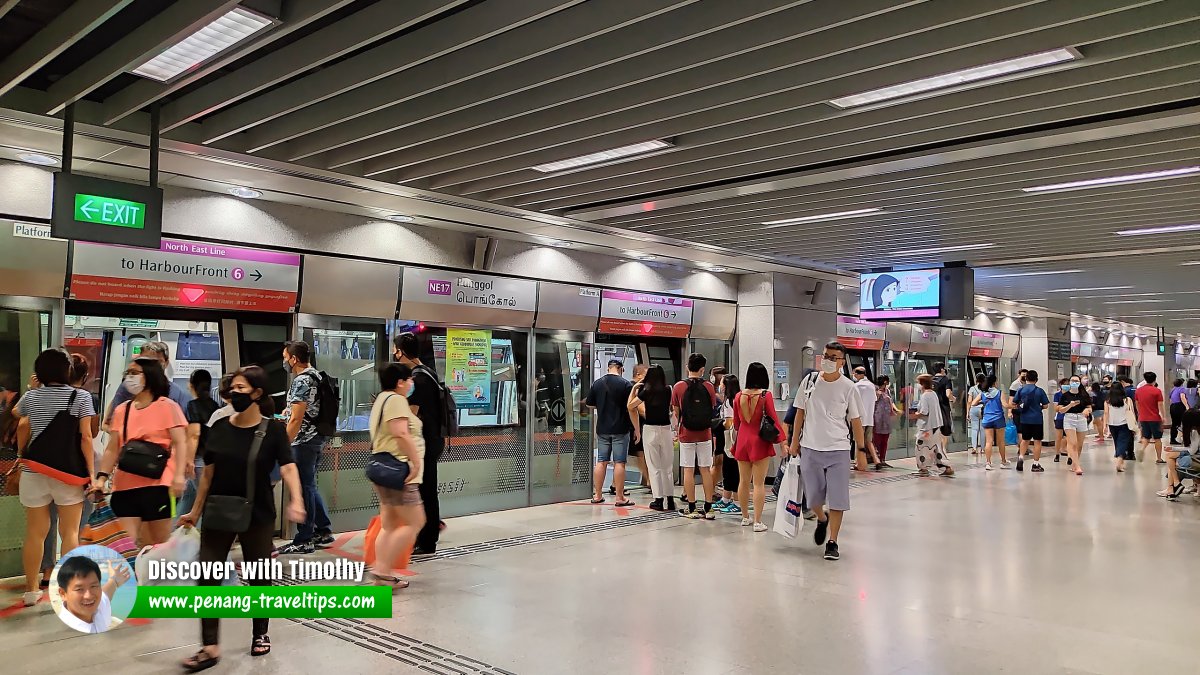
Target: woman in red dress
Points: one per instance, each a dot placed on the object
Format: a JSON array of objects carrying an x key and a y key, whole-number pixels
[{"x": 752, "y": 453}]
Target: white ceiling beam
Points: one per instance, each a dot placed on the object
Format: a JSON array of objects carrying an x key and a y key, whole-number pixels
[
  {"x": 704, "y": 38},
  {"x": 548, "y": 37},
  {"x": 828, "y": 57},
  {"x": 175, "y": 22},
  {"x": 295, "y": 15},
  {"x": 7, "y": 5},
  {"x": 78, "y": 20},
  {"x": 375, "y": 22},
  {"x": 459, "y": 30}
]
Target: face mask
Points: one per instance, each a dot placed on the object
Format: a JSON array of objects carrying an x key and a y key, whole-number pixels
[
  {"x": 287, "y": 367},
  {"x": 134, "y": 384},
  {"x": 411, "y": 388},
  {"x": 1073, "y": 386},
  {"x": 240, "y": 400},
  {"x": 828, "y": 366}
]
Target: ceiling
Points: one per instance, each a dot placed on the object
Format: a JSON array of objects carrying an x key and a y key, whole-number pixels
[{"x": 453, "y": 102}]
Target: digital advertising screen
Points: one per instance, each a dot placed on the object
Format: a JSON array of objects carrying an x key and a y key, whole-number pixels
[{"x": 907, "y": 294}]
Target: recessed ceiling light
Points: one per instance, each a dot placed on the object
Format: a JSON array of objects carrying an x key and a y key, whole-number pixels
[
  {"x": 645, "y": 257},
  {"x": 37, "y": 158},
  {"x": 224, "y": 32},
  {"x": 1160, "y": 230},
  {"x": 1115, "y": 180},
  {"x": 604, "y": 156},
  {"x": 822, "y": 217},
  {"x": 717, "y": 269},
  {"x": 959, "y": 77},
  {"x": 1033, "y": 274},
  {"x": 557, "y": 243},
  {"x": 1093, "y": 288},
  {"x": 245, "y": 192},
  {"x": 941, "y": 249},
  {"x": 399, "y": 218}
]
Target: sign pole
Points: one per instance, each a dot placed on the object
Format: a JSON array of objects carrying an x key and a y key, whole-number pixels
[
  {"x": 155, "y": 110},
  {"x": 68, "y": 147}
]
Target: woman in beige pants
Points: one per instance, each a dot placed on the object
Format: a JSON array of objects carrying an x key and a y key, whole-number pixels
[{"x": 651, "y": 402}]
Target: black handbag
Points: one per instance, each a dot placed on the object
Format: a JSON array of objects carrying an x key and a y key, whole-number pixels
[
  {"x": 383, "y": 468},
  {"x": 139, "y": 457},
  {"x": 231, "y": 513},
  {"x": 767, "y": 429}
]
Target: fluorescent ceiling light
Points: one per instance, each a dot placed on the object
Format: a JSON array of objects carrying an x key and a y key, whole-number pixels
[
  {"x": 717, "y": 269},
  {"x": 646, "y": 257},
  {"x": 623, "y": 152},
  {"x": 1191, "y": 262},
  {"x": 399, "y": 218},
  {"x": 1094, "y": 288},
  {"x": 37, "y": 158},
  {"x": 245, "y": 192},
  {"x": 236, "y": 25},
  {"x": 958, "y": 77},
  {"x": 941, "y": 249},
  {"x": 558, "y": 243},
  {"x": 1033, "y": 274},
  {"x": 1115, "y": 180},
  {"x": 1131, "y": 302},
  {"x": 1160, "y": 230},
  {"x": 823, "y": 217}
]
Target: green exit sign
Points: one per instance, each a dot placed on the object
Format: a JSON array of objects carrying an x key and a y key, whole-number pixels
[
  {"x": 87, "y": 208},
  {"x": 110, "y": 211}
]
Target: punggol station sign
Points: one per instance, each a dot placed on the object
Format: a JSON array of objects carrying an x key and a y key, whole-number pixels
[
  {"x": 106, "y": 211},
  {"x": 188, "y": 274}
]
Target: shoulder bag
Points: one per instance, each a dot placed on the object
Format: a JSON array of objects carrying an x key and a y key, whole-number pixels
[
  {"x": 768, "y": 430},
  {"x": 140, "y": 457},
  {"x": 383, "y": 468},
  {"x": 1131, "y": 416},
  {"x": 231, "y": 513}
]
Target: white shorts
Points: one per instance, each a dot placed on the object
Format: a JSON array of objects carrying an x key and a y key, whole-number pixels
[
  {"x": 1075, "y": 422},
  {"x": 38, "y": 490},
  {"x": 696, "y": 454}
]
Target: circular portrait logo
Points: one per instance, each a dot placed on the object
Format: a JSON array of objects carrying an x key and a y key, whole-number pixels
[{"x": 92, "y": 589}]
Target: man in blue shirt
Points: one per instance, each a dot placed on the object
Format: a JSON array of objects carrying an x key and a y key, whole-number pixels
[
  {"x": 1029, "y": 407},
  {"x": 162, "y": 352}
]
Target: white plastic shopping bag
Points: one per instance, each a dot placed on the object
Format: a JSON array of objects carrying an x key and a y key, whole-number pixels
[
  {"x": 182, "y": 546},
  {"x": 789, "y": 514}
]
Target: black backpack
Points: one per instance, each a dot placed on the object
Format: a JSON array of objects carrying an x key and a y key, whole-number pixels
[
  {"x": 329, "y": 399},
  {"x": 449, "y": 408},
  {"x": 697, "y": 406}
]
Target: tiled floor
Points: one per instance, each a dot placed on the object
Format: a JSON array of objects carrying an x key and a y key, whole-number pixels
[{"x": 983, "y": 573}]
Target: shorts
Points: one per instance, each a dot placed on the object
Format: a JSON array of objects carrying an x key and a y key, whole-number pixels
[
  {"x": 1075, "y": 422},
  {"x": 868, "y": 433},
  {"x": 1058, "y": 423},
  {"x": 1184, "y": 461},
  {"x": 612, "y": 448},
  {"x": 997, "y": 423},
  {"x": 1032, "y": 432},
  {"x": 1152, "y": 430},
  {"x": 696, "y": 454},
  {"x": 826, "y": 478},
  {"x": 148, "y": 503},
  {"x": 409, "y": 496},
  {"x": 38, "y": 490}
]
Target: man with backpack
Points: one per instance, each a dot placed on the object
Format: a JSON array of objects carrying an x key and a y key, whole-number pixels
[
  {"x": 692, "y": 402},
  {"x": 435, "y": 407},
  {"x": 1029, "y": 407},
  {"x": 311, "y": 404}
]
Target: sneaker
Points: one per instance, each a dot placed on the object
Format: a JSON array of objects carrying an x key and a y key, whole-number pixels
[
  {"x": 759, "y": 527},
  {"x": 323, "y": 540},
  {"x": 656, "y": 505},
  {"x": 831, "y": 551},
  {"x": 670, "y": 504},
  {"x": 1020, "y": 463},
  {"x": 746, "y": 522},
  {"x": 732, "y": 509},
  {"x": 810, "y": 515},
  {"x": 1069, "y": 460},
  {"x": 710, "y": 514},
  {"x": 820, "y": 532},
  {"x": 1036, "y": 468},
  {"x": 720, "y": 505},
  {"x": 31, "y": 598},
  {"x": 1178, "y": 490},
  {"x": 1056, "y": 460},
  {"x": 988, "y": 467},
  {"x": 296, "y": 549},
  {"x": 1191, "y": 490},
  {"x": 1006, "y": 464}
]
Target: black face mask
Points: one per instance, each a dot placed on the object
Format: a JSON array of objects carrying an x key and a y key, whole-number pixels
[{"x": 241, "y": 401}]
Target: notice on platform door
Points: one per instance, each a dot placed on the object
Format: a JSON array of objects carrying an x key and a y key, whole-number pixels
[{"x": 469, "y": 367}]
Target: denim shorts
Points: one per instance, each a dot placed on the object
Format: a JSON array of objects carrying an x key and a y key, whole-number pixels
[
  {"x": 998, "y": 423},
  {"x": 1184, "y": 461},
  {"x": 612, "y": 448},
  {"x": 1152, "y": 430}
]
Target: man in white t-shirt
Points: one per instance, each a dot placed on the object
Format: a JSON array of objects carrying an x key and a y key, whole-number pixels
[
  {"x": 87, "y": 604},
  {"x": 828, "y": 410},
  {"x": 868, "y": 395}
]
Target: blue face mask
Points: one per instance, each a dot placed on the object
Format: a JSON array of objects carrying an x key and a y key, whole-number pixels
[{"x": 1073, "y": 386}]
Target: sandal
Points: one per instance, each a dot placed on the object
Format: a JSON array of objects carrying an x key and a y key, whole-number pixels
[
  {"x": 396, "y": 583},
  {"x": 261, "y": 645},
  {"x": 627, "y": 502},
  {"x": 199, "y": 661},
  {"x": 597, "y": 500}
]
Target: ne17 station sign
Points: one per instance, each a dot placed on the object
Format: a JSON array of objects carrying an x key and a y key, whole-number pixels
[{"x": 186, "y": 274}]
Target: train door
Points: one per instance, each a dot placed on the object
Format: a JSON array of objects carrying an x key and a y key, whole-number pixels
[{"x": 856, "y": 358}]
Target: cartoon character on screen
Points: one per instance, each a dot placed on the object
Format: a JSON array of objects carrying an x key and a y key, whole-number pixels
[{"x": 882, "y": 290}]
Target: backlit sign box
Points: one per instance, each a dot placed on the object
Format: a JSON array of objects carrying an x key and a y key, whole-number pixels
[{"x": 106, "y": 211}]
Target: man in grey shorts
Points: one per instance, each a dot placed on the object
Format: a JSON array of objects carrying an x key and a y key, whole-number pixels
[{"x": 828, "y": 409}]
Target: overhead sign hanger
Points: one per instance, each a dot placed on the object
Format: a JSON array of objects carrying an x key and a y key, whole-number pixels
[{"x": 86, "y": 208}]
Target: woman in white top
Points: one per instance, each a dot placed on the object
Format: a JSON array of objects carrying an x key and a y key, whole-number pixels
[
  {"x": 931, "y": 443},
  {"x": 396, "y": 430}
]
